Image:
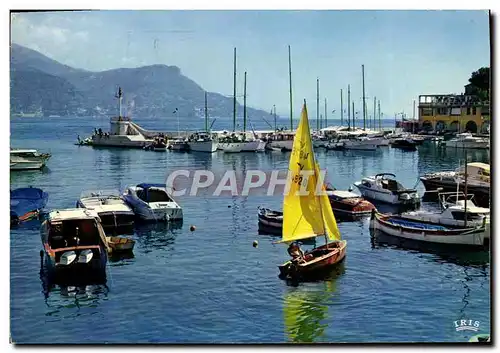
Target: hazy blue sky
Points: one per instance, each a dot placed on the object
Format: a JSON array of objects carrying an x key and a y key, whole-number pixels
[{"x": 405, "y": 53}]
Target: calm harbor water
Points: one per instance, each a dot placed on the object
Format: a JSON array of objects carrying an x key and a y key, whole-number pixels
[{"x": 211, "y": 285}]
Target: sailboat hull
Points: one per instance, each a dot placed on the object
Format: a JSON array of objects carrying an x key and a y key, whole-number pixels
[{"x": 316, "y": 261}]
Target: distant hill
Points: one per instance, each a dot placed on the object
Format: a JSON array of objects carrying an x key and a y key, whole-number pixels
[{"x": 38, "y": 82}]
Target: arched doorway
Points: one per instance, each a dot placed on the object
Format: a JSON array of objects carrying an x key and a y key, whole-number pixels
[
  {"x": 427, "y": 125},
  {"x": 440, "y": 125},
  {"x": 453, "y": 126},
  {"x": 471, "y": 127}
]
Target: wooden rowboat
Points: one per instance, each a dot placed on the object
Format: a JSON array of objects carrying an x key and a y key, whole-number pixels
[{"x": 120, "y": 244}]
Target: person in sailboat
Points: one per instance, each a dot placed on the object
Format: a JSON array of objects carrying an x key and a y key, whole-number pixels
[{"x": 296, "y": 252}]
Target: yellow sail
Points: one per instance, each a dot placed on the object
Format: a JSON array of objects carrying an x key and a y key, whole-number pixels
[{"x": 307, "y": 213}]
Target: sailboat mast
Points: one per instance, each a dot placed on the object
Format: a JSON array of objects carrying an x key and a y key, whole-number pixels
[
  {"x": 245, "y": 104},
  {"x": 317, "y": 105},
  {"x": 374, "y": 111},
  {"x": 206, "y": 113},
  {"x": 234, "y": 92},
  {"x": 379, "y": 121},
  {"x": 290, "y": 82},
  {"x": 326, "y": 115},
  {"x": 319, "y": 201},
  {"x": 274, "y": 109},
  {"x": 341, "y": 108},
  {"x": 465, "y": 192},
  {"x": 353, "y": 117},
  {"x": 349, "y": 107},
  {"x": 364, "y": 107}
]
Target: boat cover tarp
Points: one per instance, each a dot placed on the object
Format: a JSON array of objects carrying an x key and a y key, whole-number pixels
[{"x": 24, "y": 200}]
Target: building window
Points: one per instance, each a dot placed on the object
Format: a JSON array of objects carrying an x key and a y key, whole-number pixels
[
  {"x": 443, "y": 111},
  {"x": 426, "y": 111},
  {"x": 473, "y": 110},
  {"x": 456, "y": 111},
  {"x": 468, "y": 110}
]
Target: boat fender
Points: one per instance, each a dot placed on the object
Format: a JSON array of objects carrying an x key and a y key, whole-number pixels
[
  {"x": 373, "y": 214},
  {"x": 255, "y": 244},
  {"x": 192, "y": 228}
]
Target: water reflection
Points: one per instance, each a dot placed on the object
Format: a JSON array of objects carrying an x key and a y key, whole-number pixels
[
  {"x": 305, "y": 309},
  {"x": 447, "y": 253},
  {"x": 71, "y": 293},
  {"x": 157, "y": 236}
]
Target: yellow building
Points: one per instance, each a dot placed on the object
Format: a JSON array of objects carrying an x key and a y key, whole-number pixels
[{"x": 450, "y": 112}]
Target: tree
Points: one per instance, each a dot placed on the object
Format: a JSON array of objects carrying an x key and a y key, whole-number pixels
[{"x": 480, "y": 83}]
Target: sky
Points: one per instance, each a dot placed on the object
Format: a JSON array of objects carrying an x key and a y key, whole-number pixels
[{"x": 405, "y": 53}]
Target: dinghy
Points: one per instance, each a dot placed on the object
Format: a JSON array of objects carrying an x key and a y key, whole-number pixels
[{"x": 308, "y": 214}]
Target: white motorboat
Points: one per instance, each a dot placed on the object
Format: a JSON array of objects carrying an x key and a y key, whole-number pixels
[
  {"x": 109, "y": 205},
  {"x": 466, "y": 140},
  {"x": 383, "y": 187},
  {"x": 453, "y": 214},
  {"x": 152, "y": 202},
  {"x": 26, "y": 159},
  {"x": 178, "y": 145},
  {"x": 281, "y": 140},
  {"x": 202, "y": 142},
  {"x": 360, "y": 143}
]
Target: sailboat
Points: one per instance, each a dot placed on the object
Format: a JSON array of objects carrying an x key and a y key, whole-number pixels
[{"x": 307, "y": 213}]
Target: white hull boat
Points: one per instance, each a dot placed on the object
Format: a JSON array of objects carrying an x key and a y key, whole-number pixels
[
  {"x": 382, "y": 188},
  {"x": 231, "y": 147},
  {"x": 403, "y": 227},
  {"x": 209, "y": 146},
  {"x": 111, "y": 208},
  {"x": 361, "y": 143},
  {"x": 466, "y": 140},
  {"x": 21, "y": 159},
  {"x": 152, "y": 202},
  {"x": 254, "y": 146}
]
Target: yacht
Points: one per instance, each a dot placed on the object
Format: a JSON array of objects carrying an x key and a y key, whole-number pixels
[
  {"x": 466, "y": 140},
  {"x": 26, "y": 159}
]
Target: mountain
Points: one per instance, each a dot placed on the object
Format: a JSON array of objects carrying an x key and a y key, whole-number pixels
[{"x": 41, "y": 83}]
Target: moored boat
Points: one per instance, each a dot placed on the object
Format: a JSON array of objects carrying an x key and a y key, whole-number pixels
[
  {"x": 467, "y": 141},
  {"x": 26, "y": 204},
  {"x": 409, "y": 228},
  {"x": 202, "y": 142},
  {"x": 478, "y": 181},
  {"x": 308, "y": 215},
  {"x": 383, "y": 187},
  {"x": 152, "y": 202},
  {"x": 27, "y": 159},
  {"x": 120, "y": 244},
  {"x": 74, "y": 243},
  {"x": 113, "y": 211}
]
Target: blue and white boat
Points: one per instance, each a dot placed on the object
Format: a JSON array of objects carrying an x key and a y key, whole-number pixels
[
  {"x": 409, "y": 228},
  {"x": 152, "y": 202},
  {"x": 26, "y": 204}
]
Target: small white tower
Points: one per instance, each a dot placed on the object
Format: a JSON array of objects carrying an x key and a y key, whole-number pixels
[{"x": 119, "y": 124}]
